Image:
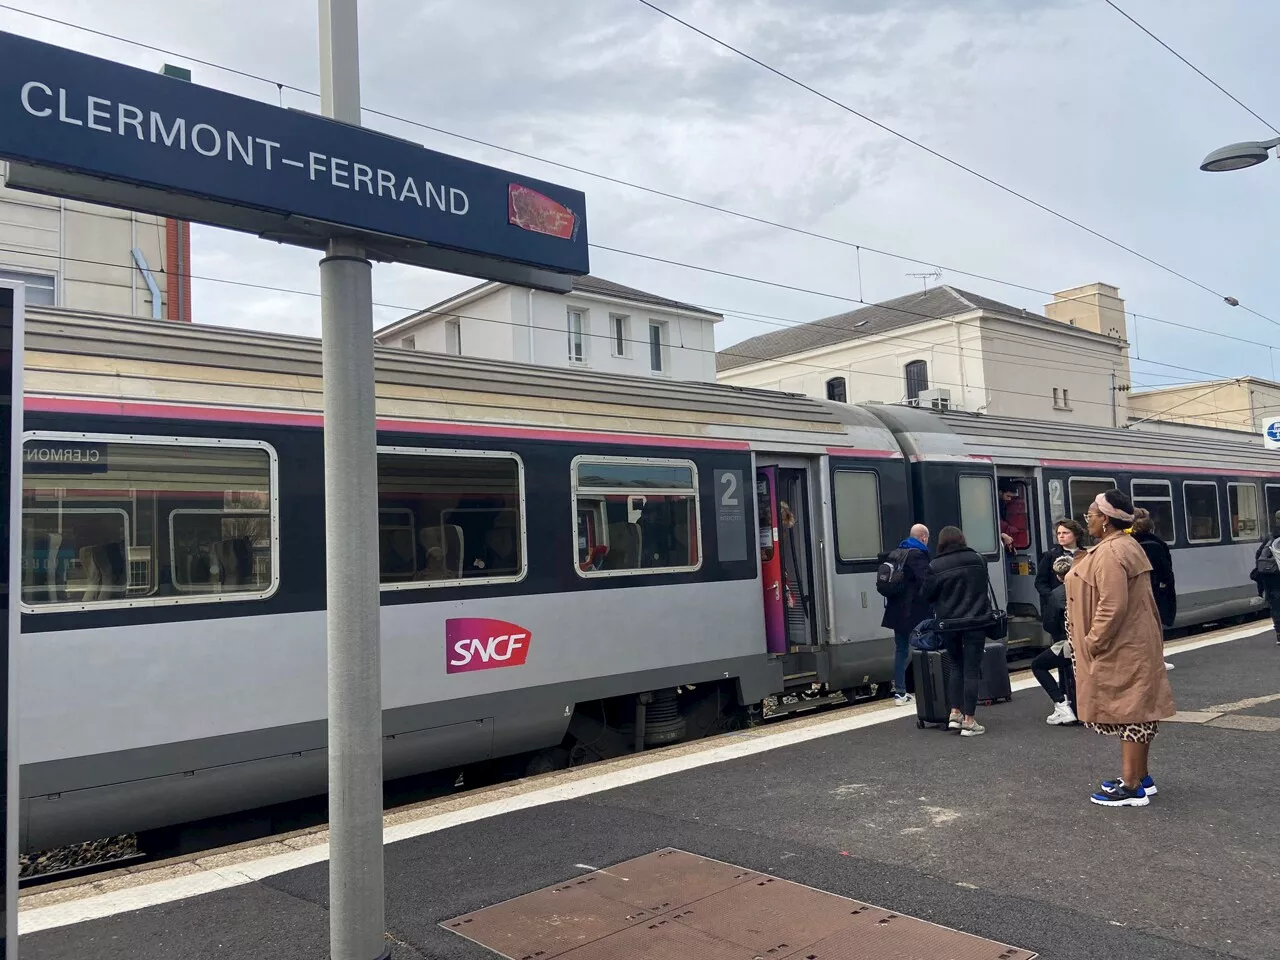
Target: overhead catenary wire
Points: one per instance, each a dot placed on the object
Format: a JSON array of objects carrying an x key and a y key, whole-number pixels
[
  {"x": 944, "y": 157},
  {"x": 857, "y": 247},
  {"x": 891, "y": 336},
  {"x": 846, "y": 370},
  {"x": 1231, "y": 96}
]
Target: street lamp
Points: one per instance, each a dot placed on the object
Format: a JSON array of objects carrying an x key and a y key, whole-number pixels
[{"x": 1237, "y": 156}]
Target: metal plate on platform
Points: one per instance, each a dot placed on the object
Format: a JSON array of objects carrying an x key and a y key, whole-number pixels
[{"x": 673, "y": 905}]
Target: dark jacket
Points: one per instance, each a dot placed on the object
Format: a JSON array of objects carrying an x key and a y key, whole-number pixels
[
  {"x": 904, "y": 612},
  {"x": 1046, "y": 579},
  {"x": 1162, "y": 584},
  {"x": 957, "y": 585},
  {"x": 1054, "y": 617},
  {"x": 1267, "y": 585}
]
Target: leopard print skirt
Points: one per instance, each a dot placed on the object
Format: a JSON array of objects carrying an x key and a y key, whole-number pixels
[{"x": 1143, "y": 732}]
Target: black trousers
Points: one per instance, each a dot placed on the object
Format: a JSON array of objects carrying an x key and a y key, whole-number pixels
[
  {"x": 1273, "y": 600},
  {"x": 964, "y": 683},
  {"x": 1045, "y": 661}
]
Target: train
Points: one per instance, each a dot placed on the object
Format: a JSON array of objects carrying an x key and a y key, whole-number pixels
[{"x": 573, "y": 565}]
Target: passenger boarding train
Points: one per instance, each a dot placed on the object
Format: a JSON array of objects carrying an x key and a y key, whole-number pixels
[{"x": 573, "y": 564}]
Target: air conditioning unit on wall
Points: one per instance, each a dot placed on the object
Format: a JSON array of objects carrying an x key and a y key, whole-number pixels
[{"x": 938, "y": 399}]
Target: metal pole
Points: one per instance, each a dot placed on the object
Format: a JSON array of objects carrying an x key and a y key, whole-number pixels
[{"x": 356, "y": 917}]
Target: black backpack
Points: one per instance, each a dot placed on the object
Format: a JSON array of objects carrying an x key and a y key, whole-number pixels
[
  {"x": 891, "y": 576},
  {"x": 1266, "y": 564}
]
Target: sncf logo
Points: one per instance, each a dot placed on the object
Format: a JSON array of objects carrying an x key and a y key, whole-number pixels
[{"x": 477, "y": 643}]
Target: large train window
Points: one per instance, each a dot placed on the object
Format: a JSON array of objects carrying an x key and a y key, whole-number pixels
[
  {"x": 1204, "y": 522},
  {"x": 1242, "y": 504},
  {"x": 857, "y": 496},
  {"x": 1156, "y": 497},
  {"x": 635, "y": 515},
  {"x": 449, "y": 517},
  {"x": 978, "y": 512},
  {"x": 1082, "y": 491},
  {"x": 1273, "y": 505},
  {"x": 129, "y": 521}
]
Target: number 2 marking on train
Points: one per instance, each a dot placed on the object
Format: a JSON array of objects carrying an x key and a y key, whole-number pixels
[{"x": 730, "y": 496}]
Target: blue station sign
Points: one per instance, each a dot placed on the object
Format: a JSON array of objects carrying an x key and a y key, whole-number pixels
[{"x": 89, "y": 128}]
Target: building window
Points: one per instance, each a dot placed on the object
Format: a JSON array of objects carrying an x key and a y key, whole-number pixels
[
  {"x": 448, "y": 517},
  {"x": 917, "y": 376},
  {"x": 577, "y": 346},
  {"x": 1156, "y": 497},
  {"x": 836, "y": 390},
  {"x": 857, "y": 499},
  {"x": 1200, "y": 497},
  {"x": 978, "y": 513},
  {"x": 655, "y": 346},
  {"x": 102, "y": 517},
  {"x": 621, "y": 336},
  {"x": 635, "y": 516},
  {"x": 1242, "y": 503},
  {"x": 453, "y": 337},
  {"x": 40, "y": 287},
  {"x": 409, "y": 343}
]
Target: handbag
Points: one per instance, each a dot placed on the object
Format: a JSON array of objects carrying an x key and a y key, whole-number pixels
[
  {"x": 924, "y": 636},
  {"x": 998, "y": 628}
]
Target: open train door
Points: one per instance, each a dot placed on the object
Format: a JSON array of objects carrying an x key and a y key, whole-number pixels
[{"x": 10, "y": 584}]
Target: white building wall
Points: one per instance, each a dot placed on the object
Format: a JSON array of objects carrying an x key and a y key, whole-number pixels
[
  {"x": 874, "y": 368},
  {"x": 85, "y": 249},
  {"x": 1025, "y": 364}
]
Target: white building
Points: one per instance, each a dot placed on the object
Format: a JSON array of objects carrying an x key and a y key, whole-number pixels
[
  {"x": 86, "y": 257},
  {"x": 600, "y": 325},
  {"x": 950, "y": 347}
]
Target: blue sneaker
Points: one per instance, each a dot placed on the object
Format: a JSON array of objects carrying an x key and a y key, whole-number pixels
[
  {"x": 1148, "y": 785},
  {"x": 1121, "y": 796}
]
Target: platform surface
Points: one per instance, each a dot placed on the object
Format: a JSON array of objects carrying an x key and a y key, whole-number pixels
[{"x": 990, "y": 836}]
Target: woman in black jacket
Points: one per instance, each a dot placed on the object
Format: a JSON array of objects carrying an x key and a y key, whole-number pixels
[
  {"x": 1071, "y": 538},
  {"x": 1161, "y": 560},
  {"x": 957, "y": 587}
]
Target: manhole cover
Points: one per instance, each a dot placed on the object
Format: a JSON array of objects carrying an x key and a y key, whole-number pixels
[{"x": 673, "y": 905}]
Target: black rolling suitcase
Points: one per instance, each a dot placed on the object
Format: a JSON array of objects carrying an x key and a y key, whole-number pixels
[
  {"x": 995, "y": 673},
  {"x": 931, "y": 668}
]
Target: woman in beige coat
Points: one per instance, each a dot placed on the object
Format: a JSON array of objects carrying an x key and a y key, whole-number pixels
[{"x": 1122, "y": 688}]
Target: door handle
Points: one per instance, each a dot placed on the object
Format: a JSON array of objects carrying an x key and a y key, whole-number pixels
[{"x": 776, "y": 587}]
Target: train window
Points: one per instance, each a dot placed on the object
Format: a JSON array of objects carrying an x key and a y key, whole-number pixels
[
  {"x": 1273, "y": 505},
  {"x": 1082, "y": 491},
  {"x": 1242, "y": 504},
  {"x": 857, "y": 497},
  {"x": 449, "y": 517},
  {"x": 1204, "y": 524},
  {"x": 978, "y": 513},
  {"x": 1156, "y": 497},
  {"x": 635, "y": 515},
  {"x": 128, "y": 521}
]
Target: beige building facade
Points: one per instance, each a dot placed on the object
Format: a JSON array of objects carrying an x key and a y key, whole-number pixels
[
  {"x": 81, "y": 256},
  {"x": 1246, "y": 404},
  {"x": 949, "y": 347}
]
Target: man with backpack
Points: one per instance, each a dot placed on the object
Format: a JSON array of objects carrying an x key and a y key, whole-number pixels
[
  {"x": 901, "y": 574},
  {"x": 1266, "y": 572}
]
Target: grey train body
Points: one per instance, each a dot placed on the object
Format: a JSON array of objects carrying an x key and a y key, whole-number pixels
[{"x": 560, "y": 547}]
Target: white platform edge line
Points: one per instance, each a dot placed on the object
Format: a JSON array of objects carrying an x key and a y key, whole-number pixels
[{"x": 210, "y": 880}]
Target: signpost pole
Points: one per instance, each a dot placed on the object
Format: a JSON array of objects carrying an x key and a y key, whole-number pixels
[{"x": 356, "y": 918}]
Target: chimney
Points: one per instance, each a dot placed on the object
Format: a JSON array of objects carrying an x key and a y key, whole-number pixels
[
  {"x": 177, "y": 244},
  {"x": 1095, "y": 307}
]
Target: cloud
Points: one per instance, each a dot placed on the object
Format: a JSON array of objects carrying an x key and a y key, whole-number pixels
[{"x": 1063, "y": 101}]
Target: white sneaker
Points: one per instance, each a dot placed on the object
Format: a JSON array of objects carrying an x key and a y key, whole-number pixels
[
  {"x": 1062, "y": 714},
  {"x": 903, "y": 699},
  {"x": 1169, "y": 666}
]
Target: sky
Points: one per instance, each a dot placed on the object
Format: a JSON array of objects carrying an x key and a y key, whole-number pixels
[{"x": 1063, "y": 101}]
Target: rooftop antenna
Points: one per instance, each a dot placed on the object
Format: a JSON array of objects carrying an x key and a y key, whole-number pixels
[{"x": 924, "y": 278}]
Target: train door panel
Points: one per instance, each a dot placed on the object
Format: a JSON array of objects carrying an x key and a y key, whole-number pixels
[
  {"x": 786, "y": 529},
  {"x": 1018, "y": 507}
]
